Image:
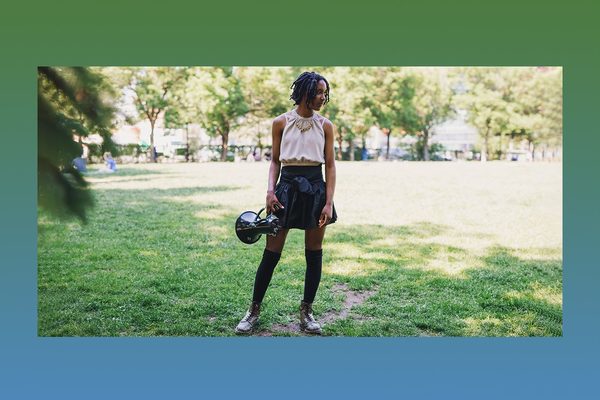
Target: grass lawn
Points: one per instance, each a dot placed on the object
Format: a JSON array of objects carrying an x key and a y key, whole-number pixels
[{"x": 419, "y": 249}]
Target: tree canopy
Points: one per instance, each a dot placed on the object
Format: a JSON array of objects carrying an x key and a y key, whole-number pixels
[
  {"x": 504, "y": 104},
  {"x": 73, "y": 102}
]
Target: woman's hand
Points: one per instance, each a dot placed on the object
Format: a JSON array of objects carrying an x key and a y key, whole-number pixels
[
  {"x": 273, "y": 204},
  {"x": 326, "y": 215}
]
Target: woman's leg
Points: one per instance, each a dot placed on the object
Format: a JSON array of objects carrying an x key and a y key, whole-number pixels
[
  {"x": 269, "y": 261},
  {"x": 313, "y": 242},
  {"x": 276, "y": 243},
  {"x": 271, "y": 256}
]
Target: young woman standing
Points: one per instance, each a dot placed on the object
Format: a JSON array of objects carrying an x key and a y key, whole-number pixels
[{"x": 302, "y": 143}]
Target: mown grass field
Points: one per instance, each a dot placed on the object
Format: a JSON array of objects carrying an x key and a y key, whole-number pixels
[{"x": 435, "y": 249}]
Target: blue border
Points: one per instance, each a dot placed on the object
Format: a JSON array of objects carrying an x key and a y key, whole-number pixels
[{"x": 32, "y": 367}]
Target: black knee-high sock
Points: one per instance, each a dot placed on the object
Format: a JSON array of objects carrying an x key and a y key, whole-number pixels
[
  {"x": 264, "y": 274},
  {"x": 314, "y": 263}
]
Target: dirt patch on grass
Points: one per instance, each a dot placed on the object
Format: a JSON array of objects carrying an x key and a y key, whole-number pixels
[{"x": 352, "y": 298}]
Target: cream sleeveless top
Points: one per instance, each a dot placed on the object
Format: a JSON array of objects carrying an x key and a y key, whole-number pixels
[{"x": 303, "y": 140}]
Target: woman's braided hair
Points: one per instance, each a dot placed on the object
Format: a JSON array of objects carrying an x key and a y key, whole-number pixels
[{"x": 306, "y": 83}]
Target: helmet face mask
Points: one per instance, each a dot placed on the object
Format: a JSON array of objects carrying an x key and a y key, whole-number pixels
[{"x": 249, "y": 226}]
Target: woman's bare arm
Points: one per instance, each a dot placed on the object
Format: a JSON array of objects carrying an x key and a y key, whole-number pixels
[{"x": 327, "y": 212}]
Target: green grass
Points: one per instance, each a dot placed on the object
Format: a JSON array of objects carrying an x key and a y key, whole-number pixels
[{"x": 449, "y": 249}]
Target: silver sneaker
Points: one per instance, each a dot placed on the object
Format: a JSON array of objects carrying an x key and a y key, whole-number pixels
[
  {"x": 308, "y": 324},
  {"x": 250, "y": 320}
]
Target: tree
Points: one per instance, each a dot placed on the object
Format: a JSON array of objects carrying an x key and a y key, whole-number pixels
[
  {"x": 152, "y": 88},
  {"x": 221, "y": 104},
  {"x": 351, "y": 88},
  {"x": 432, "y": 104},
  {"x": 520, "y": 103},
  {"x": 333, "y": 113},
  {"x": 391, "y": 103},
  {"x": 71, "y": 102},
  {"x": 266, "y": 92},
  {"x": 183, "y": 113},
  {"x": 178, "y": 118},
  {"x": 536, "y": 99},
  {"x": 487, "y": 104}
]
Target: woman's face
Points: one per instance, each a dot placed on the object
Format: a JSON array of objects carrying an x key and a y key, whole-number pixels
[{"x": 319, "y": 99}]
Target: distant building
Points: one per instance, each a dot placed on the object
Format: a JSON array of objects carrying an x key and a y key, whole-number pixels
[
  {"x": 456, "y": 135},
  {"x": 127, "y": 134}
]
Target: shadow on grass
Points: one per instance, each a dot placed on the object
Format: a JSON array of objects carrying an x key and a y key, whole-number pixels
[
  {"x": 152, "y": 195},
  {"x": 147, "y": 265}
]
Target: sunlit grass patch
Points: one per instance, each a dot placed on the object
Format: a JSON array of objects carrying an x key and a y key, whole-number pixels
[
  {"x": 482, "y": 326},
  {"x": 352, "y": 267},
  {"x": 449, "y": 262},
  {"x": 550, "y": 295},
  {"x": 346, "y": 250},
  {"x": 514, "y": 324}
]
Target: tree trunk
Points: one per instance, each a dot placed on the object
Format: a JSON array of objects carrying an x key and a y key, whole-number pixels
[
  {"x": 484, "y": 151},
  {"x": 387, "y": 150},
  {"x": 225, "y": 139},
  {"x": 501, "y": 146},
  {"x": 152, "y": 152},
  {"x": 351, "y": 148},
  {"x": 364, "y": 146},
  {"x": 187, "y": 143},
  {"x": 543, "y": 153},
  {"x": 426, "y": 145}
]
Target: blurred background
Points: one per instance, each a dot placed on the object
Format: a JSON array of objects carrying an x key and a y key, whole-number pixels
[{"x": 203, "y": 114}]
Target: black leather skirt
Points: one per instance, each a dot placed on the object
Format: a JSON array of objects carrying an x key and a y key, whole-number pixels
[{"x": 302, "y": 192}]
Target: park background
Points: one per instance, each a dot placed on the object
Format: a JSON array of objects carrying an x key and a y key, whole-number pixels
[
  {"x": 467, "y": 367},
  {"x": 425, "y": 248}
]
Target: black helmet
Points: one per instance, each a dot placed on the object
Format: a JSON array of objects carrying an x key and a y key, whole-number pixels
[{"x": 249, "y": 226}]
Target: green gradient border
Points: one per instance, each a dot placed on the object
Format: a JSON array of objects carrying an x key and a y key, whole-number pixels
[{"x": 308, "y": 33}]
